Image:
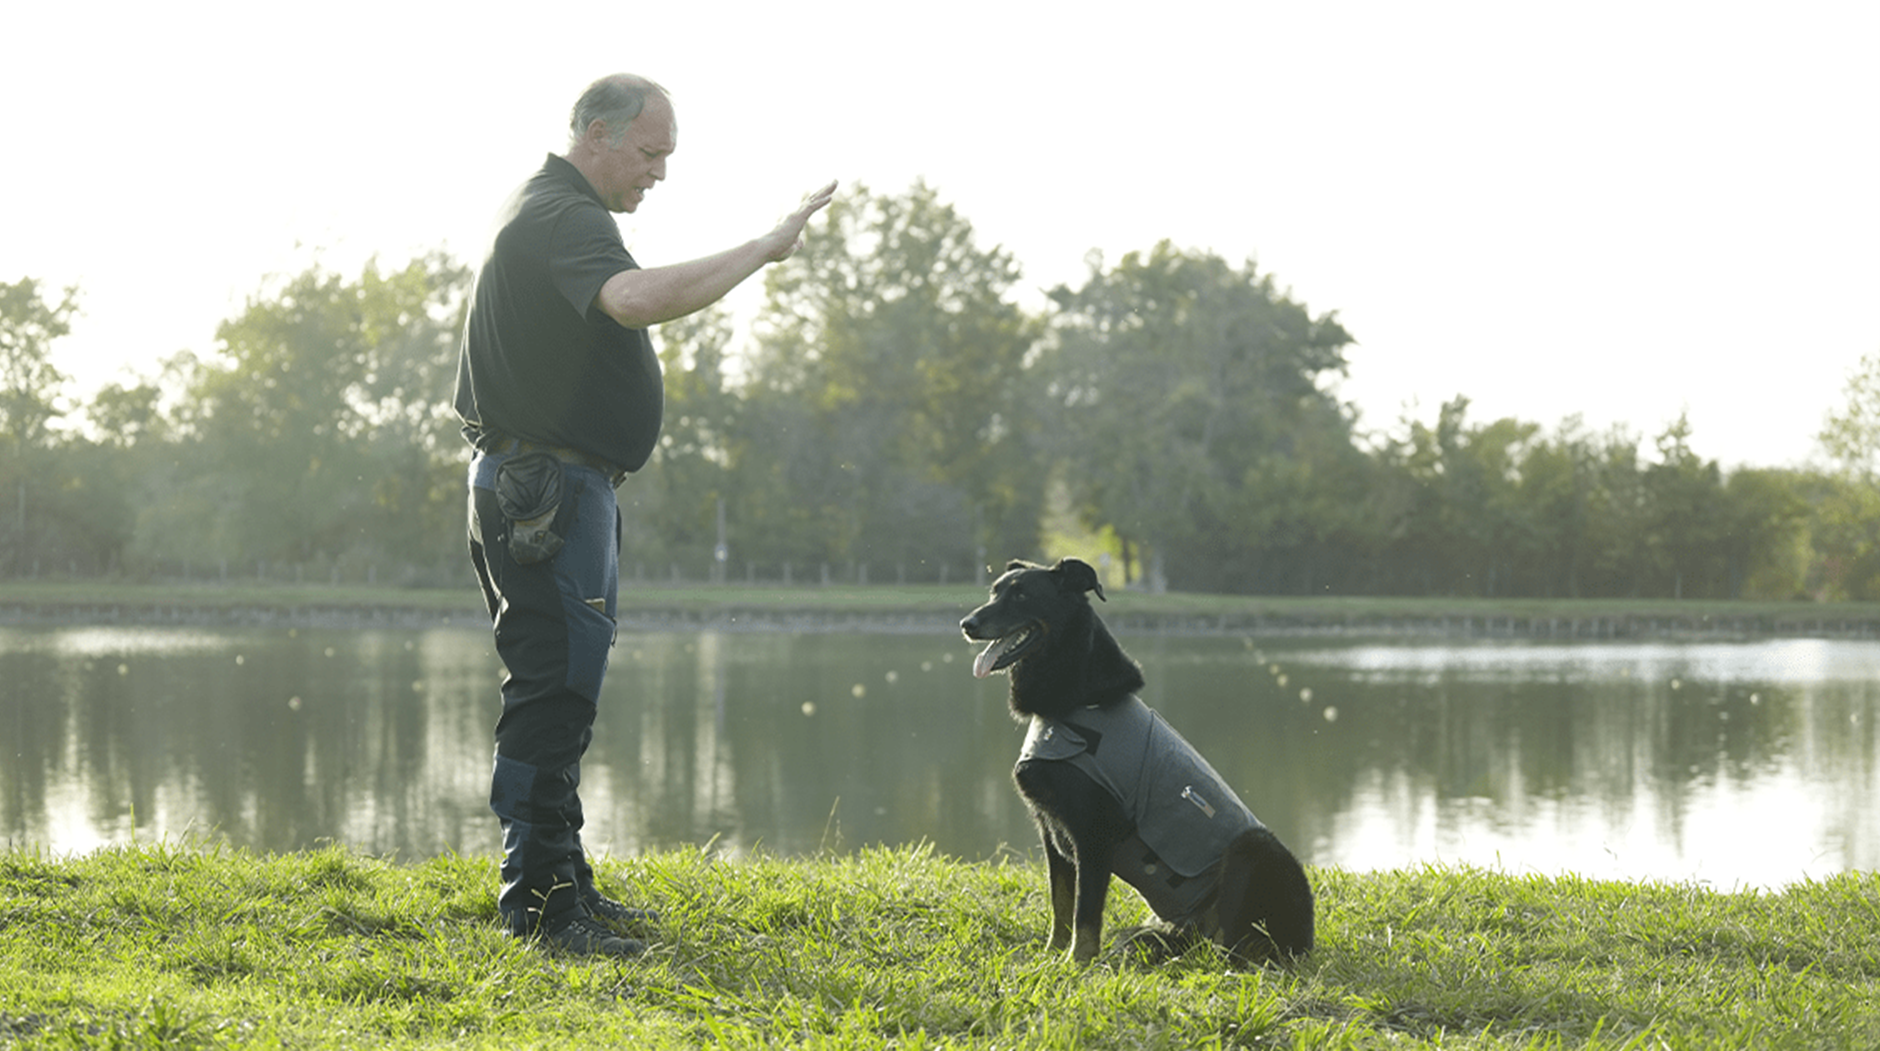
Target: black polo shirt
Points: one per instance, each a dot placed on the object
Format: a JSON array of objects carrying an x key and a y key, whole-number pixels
[{"x": 539, "y": 360}]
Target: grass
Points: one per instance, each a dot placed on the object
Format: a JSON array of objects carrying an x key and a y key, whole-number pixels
[{"x": 176, "y": 946}]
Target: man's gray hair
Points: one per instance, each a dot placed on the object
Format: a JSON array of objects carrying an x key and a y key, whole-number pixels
[{"x": 614, "y": 100}]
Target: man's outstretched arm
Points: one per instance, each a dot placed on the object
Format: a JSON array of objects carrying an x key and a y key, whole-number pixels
[{"x": 651, "y": 296}]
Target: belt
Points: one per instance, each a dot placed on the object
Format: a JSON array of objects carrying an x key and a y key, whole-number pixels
[{"x": 614, "y": 473}]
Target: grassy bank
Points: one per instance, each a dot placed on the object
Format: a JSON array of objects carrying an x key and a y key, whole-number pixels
[
  {"x": 171, "y": 947},
  {"x": 938, "y": 605}
]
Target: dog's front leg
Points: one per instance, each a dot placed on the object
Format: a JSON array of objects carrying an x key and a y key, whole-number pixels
[
  {"x": 1081, "y": 825},
  {"x": 1063, "y": 875},
  {"x": 1093, "y": 890}
]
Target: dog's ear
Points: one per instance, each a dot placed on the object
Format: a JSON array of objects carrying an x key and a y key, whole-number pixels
[
  {"x": 1077, "y": 574},
  {"x": 1017, "y": 563}
]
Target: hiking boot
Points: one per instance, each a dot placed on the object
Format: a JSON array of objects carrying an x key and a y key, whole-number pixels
[
  {"x": 616, "y": 915},
  {"x": 586, "y": 936}
]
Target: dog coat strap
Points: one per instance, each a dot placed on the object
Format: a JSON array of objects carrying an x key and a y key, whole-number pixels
[
  {"x": 1178, "y": 898},
  {"x": 1048, "y": 739}
]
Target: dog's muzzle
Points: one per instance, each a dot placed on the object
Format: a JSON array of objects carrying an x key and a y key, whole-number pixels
[{"x": 1004, "y": 651}]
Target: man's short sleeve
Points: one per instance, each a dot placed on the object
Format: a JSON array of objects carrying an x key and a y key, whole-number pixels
[{"x": 584, "y": 252}]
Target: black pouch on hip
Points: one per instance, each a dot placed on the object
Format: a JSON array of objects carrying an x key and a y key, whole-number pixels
[{"x": 529, "y": 491}]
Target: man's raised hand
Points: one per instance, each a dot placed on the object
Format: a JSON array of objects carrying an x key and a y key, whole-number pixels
[{"x": 784, "y": 241}]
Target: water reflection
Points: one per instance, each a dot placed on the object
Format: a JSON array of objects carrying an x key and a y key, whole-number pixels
[
  {"x": 1735, "y": 764},
  {"x": 1745, "y": 763}
]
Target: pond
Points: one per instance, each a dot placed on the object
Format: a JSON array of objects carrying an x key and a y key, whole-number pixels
[{"x": 1731, "y": 763}]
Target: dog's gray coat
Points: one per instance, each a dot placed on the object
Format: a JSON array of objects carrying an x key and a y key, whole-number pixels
[{"x": 1185, "y": 814}]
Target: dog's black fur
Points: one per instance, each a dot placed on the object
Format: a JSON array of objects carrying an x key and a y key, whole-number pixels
[{"x": 1059, "y": 658}]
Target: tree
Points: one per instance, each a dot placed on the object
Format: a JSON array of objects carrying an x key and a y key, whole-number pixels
[
  {"x": 678, "y": 500},
  {"x": 1467, "y": 529},
  {"x": 320, "y": 429},
  {"x": 54, "y": 514},
  {"x": 1851, "y": 437},
  {"x": 29, "y": 382},
  {"x": 1844, "y": 536},
  {"x": 888, "y": 416},
  {"x": 1617, "y": 519},
  {"x": 1557, "y": 479},
  {"x": 1688, "y": 527},
  {"x": 1846, "y": 500},
  {"x": 126, "y": 416},
  {"x": 1504, "y": 510},
  {"x": 1765, "y": 548},
  {"x": 1189, "y": 417}
]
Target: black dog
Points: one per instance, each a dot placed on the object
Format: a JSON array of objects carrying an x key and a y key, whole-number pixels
[{"x": 1113, "y": 788}]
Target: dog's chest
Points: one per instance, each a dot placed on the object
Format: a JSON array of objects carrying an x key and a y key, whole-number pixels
[{"x": 1181, "y": 807}]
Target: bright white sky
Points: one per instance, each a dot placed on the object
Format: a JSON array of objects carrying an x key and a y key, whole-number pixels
[{"x": 1624, "y": 210}]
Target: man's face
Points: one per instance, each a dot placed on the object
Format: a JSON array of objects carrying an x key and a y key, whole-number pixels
[{"x": 630, "y": 167}]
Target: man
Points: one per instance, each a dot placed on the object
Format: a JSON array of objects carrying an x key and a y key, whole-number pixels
[{"x": 559, "y": 390}]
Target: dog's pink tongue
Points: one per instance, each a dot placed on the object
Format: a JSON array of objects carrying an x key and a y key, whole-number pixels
[{"x": 982, "y": 664}]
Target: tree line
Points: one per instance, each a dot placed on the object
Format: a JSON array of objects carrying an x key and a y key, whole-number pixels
[{"x": 894, "y": 413}]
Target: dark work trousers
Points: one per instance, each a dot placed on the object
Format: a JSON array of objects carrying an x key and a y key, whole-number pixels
[{"x": 554, "y": 625}]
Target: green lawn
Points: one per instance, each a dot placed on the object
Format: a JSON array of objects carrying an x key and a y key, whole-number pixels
[{"x": 170, "y": 946}]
